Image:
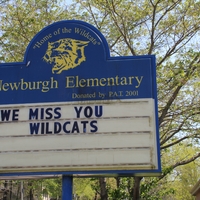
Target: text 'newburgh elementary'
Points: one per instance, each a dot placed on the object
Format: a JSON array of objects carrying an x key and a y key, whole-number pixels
[{"x": 71, "y": 82}]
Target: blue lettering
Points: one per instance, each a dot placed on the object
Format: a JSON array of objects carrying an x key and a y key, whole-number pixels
[
  {"x": 42, "y": 128},
  {"x": 5, "y": 114},
  {"x": 84, "y": 126},
  {"x": 34, "y": 128},
  {"x": 42, "y": 113},
  {"x": 64, "y": 127},
  {"x": 93, "y": 125},
  {"x": 15, "y": 115},
  {"x": 33, "y": 114},
  {"x": 88, "y": 111},
  {"x": 75, "y": 127},
  {"x": 98, "y": 112},
  {"x": 78, "y": 111},
  {"x": 49, "y": 114},
  {"x": 47, "y": 128},
  {"x": 57, "y": 127},
  {"x": 56, "y": 111}
]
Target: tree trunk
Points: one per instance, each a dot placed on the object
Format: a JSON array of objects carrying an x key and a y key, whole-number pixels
[
  {"x": 31, "y": 194},
  {"x": 136, "y": 188},
  {"x": 103, "y": 190},
  {"x": 18, "y": 191},
  {"x": 118, "y": 181},
  {"x": 11, "y": 187},
  {"x": 30, "y": 191},
  {"x": 5, "y": 193}
]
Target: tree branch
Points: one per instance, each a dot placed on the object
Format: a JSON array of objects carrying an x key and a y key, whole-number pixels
[{"x": 183, "y": 162}]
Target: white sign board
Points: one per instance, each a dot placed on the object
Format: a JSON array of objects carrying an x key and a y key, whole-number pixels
[{"x": 75, "y": 136}]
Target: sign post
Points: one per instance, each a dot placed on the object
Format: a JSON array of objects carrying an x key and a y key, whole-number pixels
[
  {"x": 71, "y": 109},
  {"x": 67, "y": 187}
]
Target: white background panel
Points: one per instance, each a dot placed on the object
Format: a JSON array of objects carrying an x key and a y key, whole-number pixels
[
  {"x": 124, "y": 124},
  {"x": 126, "y": 136},
  {"x": 85, "y": 141},
  {"x": 76, "y": 157}
]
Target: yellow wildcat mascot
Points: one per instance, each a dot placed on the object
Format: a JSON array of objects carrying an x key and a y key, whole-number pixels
[{"x": 65, "y": 54}]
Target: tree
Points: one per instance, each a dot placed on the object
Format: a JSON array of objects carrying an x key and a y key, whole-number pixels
[
  {"x": 179, "y": 181},
  {"x": 82, "y": 188},
  {"x": 185, "y": 177},
  {"x": 52, "y": 187},
  {"x": 168, "y": 29},
  {"x": 21, "y": 20}
]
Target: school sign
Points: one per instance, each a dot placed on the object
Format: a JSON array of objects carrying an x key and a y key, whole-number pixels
[{"x": 70, "y": 108}]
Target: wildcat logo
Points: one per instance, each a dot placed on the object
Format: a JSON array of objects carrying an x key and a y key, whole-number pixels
[{"x": 65, "y": 54}]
